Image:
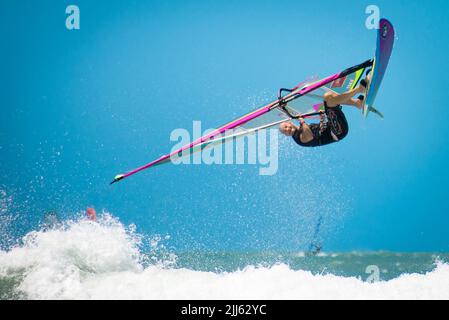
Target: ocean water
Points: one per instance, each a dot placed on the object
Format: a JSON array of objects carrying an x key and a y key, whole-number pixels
[{"x": 81, "y": 259}]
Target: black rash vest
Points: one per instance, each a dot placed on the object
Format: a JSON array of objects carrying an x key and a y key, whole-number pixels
[{"x": 337, "y": 125}]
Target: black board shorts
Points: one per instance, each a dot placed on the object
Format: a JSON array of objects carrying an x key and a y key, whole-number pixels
[{"x": 336, "y": 130}]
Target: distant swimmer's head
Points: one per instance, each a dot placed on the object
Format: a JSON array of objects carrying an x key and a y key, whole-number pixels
[
  {"x": 287, "y": 128},
  {"x": 91, "y": 214}
]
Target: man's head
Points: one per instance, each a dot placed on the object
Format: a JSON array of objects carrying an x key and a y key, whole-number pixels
[{"x": 287, "y": 128}]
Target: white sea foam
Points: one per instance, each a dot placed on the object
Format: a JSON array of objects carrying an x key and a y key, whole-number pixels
[{"x": 87, "y": 260}]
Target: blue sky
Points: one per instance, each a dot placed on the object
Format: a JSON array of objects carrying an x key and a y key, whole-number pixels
[{"x": 81, "y": 106}]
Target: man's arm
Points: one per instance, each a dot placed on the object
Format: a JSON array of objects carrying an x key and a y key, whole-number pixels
[{"x": 306, "y": 134}]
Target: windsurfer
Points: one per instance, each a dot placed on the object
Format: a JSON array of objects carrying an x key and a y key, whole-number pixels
[
  {"x": 91, "y": 214},
  {"x": 333, "y": 126}
]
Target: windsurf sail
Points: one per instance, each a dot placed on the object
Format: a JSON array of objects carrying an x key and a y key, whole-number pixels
[{"x": 305, "y": 100}]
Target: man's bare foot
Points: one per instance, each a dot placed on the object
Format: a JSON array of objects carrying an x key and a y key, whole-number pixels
[
  {"x": 358, "y": 103},
  {"x": 361, "y": 89},
  {"x": 368, "y": 77}
]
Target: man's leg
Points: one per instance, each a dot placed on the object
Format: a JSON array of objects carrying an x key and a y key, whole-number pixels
[
  {"x": 334, "y": 99},
  {"x": 354, "y": 102}
]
